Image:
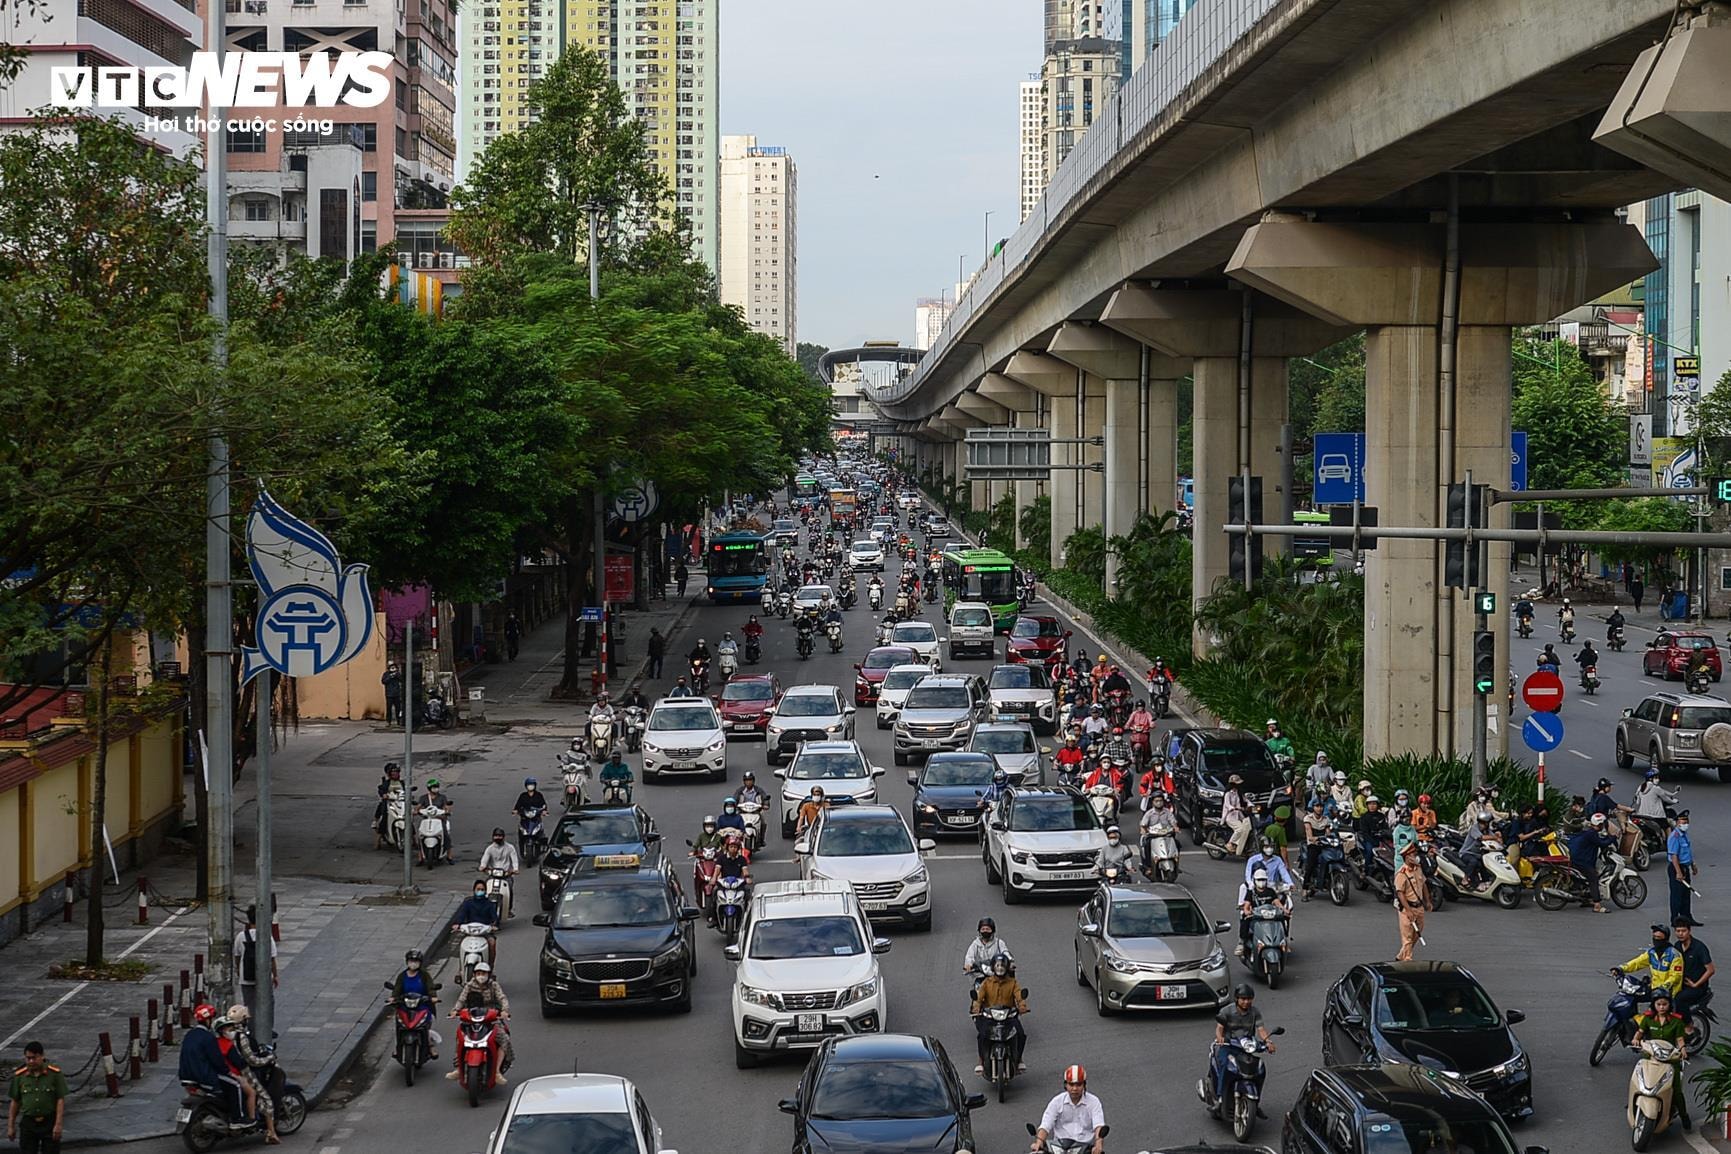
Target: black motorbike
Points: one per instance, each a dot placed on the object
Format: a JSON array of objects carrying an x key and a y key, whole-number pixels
[
  {"x": 1064, "y": 1145},
  {"x": 1332, "y": 875},
  {"x": 806, "y": 642},
  {"x": 1614, "y": 639},
  {"x": 532, "y": 833},
  {"x": 1242, "y": 1091},
  {"x": 699, "y": 676},
  {"x": 753, "y": 649},
  {"x": 206, "y": 1117},
  {"x": 1002, "y": 1025}
]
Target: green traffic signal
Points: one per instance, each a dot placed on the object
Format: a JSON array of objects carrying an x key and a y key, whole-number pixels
[{"x": 1721, "y": 490}]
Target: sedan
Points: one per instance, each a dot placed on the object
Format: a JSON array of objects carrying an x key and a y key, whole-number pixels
[
  {"x": 684, "y": 736},
  {"x": 1036, "y": 640},
  {"x": 881, "y": 1092},
  {"x": 870, "y": 673},
  {"x": 870, "y": 848},
  {"x": 1011, "y": 745},
  {"x": 1431, "y": 1014},
  {"x": 578, "y": 1112},
  {"x": 746, "y": 703},
  {"x": 1150, "y": 947},
  {"x": 922, "y": 638}
]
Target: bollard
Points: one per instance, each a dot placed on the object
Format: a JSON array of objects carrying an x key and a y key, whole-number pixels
[
  {"x": 197, "y": 978},
  {"x": 185, "y": 1000},
  {"x": 108, "y": 1065},
  {"x": 71, "y": 896},
  {"x": 168, "y": 1004},
  {"x": 151, "y": 1035},
  {"x": 143, "y": 900},
  {"x": 134, "y": 1050}
]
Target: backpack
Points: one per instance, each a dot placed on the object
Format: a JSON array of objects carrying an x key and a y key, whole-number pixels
[{"x": 249, "y": 957}]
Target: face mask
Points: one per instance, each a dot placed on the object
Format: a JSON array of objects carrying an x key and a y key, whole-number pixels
[
  {"x": 986, "y": 935},
  {"x": 1684, "y": 826},
  {"x": 413, "y": 966},
  {"x": 480, "y": 893}
]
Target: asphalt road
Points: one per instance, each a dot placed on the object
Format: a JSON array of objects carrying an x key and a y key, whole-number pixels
[{"x": 1144, "y": 1068}]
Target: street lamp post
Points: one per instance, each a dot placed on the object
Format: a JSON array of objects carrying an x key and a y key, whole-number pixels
[{"x": 988, "y": 256}]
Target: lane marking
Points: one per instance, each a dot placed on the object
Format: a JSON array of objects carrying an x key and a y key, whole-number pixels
[{"x": 1578, "y": 753}]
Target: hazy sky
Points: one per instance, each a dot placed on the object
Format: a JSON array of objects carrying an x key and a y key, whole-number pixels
[{"x": 901, "y": 116}]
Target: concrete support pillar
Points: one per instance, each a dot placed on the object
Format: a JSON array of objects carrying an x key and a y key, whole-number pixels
[
  {"x": 1063, "y": 481},
  {"x": 1090, "y": 485},
  {"x": 1054, "y": 383},
  {"x": 1214, "y": 447},
  {"x": 1027, "y": 492},
  {"x": 1123, "y": 474},
  {"x": 1160, "y": 488}
]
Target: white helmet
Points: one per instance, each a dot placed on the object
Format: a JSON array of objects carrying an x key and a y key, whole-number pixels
[{"x": 1260, "y": 878}]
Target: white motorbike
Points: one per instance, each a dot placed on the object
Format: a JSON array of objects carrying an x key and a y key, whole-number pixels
[
  {"x": 875, "y": 597},
  {"x": 1103, "y": 800},
  {"x": 499, "y": 888},
  {"x": 600, "y": 734},
  {"x": 727, "y": 660},
  {"x": 476, "y": 946},
  {"x": 636, "y": 719},
  {"x": 1652, "y": 1085},
  {"x": 431, "y": 832},
  {"x": 1160, "y": 853},
  {"x": 574, "y": 772},
  {"x": 752, "y": 812},
  {"x": 834, "y": 632},
  {"x": 396, "y": 821}
]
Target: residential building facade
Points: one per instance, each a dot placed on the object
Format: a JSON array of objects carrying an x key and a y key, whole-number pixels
[
  {"x": 930, "y": 316},
  {"x": 1077, "y": 81},
  {"x": 758, "y": 236},
  {"x": 1687, "y": 302},
  {"x": 1033, "y": 148},
  {"x": 1139, "y": 26}
]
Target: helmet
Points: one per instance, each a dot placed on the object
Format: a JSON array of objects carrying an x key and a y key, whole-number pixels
[
  {"x": 1363, "y": 783},
  {"x": 205, "y": 1013},
  {"x": 1316, "y": 802},
  {"x": 1272, "y": 722},
  {"x": 1661, "y": 930},
  {"x": 1401, "y": 793},
  {"x": 1598, "y": 819},
  {"x": 1001, "y": 964},
  {"x": 1340, "y": 777},
  {"x": 817, "y": 791},
  {"x": 749, "y": 776},
  {"x": 1096, "y": 709},
  {"x": 1112, "y": 830},
  {"x": 1100, "y": 660},
  {"x": 999, "y": 777},
  {"x": 1235, "y": 780},
  {"x": 498, "y": 831},
  {"x": 701, "y": 641},
  {"x": 1158, "y": 801},
  {"x": 1075, "y": 1073},
  {"x": 1260, "y": 878},
  {"x": 727, "y": 637},
  {"x": 1652, "y": 775},
  {"x": 988, "y": 924},
  {"x": 1604, "y": 783},
  {"x": 483, "y": 967},
  {"x": 1424, "y": 799},
  {"x": 530, "y": 783},
  {"x": 1565, "y": 601},
  {"x": 432, "y": 783},
  {"x": 238, "y": 1013},
  {"x": 1484, "y": 819},
  {"x": 1117, "y": 731},
  {"x": 1244, "y": 991},
  {"x": 708, "y": 820},
  {"x": 1373, "y": 800},
  {"x": 393, "y": 767},
  {"x": 729, "y": 803},
  {"x": 1267, "y": 845},
  {"x": 412, "y": 956}
]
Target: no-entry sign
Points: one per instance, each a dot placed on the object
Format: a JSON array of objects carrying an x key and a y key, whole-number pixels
[{"x": 1542, "y": 691}]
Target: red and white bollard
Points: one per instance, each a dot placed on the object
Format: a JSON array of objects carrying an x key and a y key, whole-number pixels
[
  {"x": 143, "y": 900},
  {"x": 197, "y": 979},
  {"x": 168, "y": 1011},
  {"x": 70, "y": 894},
  {"x": 134, "y": 1050},
  {"x": 185, "y": 1002},
  {"x": 108, "y": 1070},
  {"x": 152, "y": 1026}
]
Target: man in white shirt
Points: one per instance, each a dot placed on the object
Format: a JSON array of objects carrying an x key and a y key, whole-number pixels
[
  {"x": 1073, "y": 1116},
  {"x": 502, "y": 855},
  {"x": 247, "y": 946}
]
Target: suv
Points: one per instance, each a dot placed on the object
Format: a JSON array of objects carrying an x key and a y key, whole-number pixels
[
  {"x": 869, "y": 847},
  {"x": 1669, "y": 654},
  {"x": 866, "y": 554},
  {"x": 972, "y": 630},
  {"x": 1366, "y": 1109},
  {"x": 806, "y": 713},
  {"x": 619, "y": 934},
  {"x": 684, "y": 736},
  {"x": 939, "y": 714},
  {"x": 1206, "y": 759},
  {"x": 1038, "y": 839},
  {"x": 807, "y": 970},
  {"x": 1671, "y": 731},
  {"x": 1024, "y": 692},
  {"x": 838, "y": 766}
]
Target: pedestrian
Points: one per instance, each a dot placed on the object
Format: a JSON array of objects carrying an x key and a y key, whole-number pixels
[
  {"x": 513, "y": 636},
  {"x": 1698, "y": 968},
  {"x": 1637, "y": 590},
  {"x": 681, "y": 575},
  {"x": 393, "y": 683},
  {"x": 1411, "y": 899},
  {"x": 657, "y": 651},
  {"x": 1681, "y": 858},
  {"x": 36, "y": 1114},
  {"x": 246, "y": 945}
]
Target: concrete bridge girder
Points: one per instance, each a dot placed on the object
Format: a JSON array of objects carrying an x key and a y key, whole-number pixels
[
  {"x": 1009, "y": 393},
  {"x": 988, "y": 412},
  {"x": 1046, "y": 375},
  {"x": 1097, "y": 350}
]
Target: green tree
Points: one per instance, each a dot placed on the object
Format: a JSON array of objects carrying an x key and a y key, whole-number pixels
[
  {"x": 1644, "y": 515},
  {"x": 809, "y": 354},
  {"x": 1713, "y": 421},
  {"x": 1575, "y": 436}
]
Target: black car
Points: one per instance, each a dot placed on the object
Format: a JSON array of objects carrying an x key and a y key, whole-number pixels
[
  {"x": 591, "y": 830},
  {"x": 1207, "y": 758},
  {"x": 1372, "y": 1109},
  {"x": 947, "y": 792},
  {"x": 1434, "y": 1014},
  {"x": 620, "y": 934},
  {"x": 881, "y": 1092}
]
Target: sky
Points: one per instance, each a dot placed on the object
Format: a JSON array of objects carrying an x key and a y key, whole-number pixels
[{"x": 901, "y": 116}]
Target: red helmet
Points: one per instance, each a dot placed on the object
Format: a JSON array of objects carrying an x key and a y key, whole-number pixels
[
  {"x": 1075, "y": 1074},
  {"x": 204, "y": 1013}
]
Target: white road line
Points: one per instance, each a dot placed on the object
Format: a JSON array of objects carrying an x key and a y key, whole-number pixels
[
  {"x": 1699, "y": 1143},
  {"x": 1578, "y": 753}
]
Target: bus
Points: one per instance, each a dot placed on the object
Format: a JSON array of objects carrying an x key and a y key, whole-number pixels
[
  {"x": 805, "y": 487},
  {"x": 984, "y": 575},
  {"x": 843, "y": 506},
  {"x": 738, "y": 565},
  {"x": 1318, "y": 551}
]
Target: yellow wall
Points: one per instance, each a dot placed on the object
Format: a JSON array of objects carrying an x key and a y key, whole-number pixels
[
  {"x": 11, "y": 849},
  {"x": 351, "y": 690},
  {"x": 160, "y": 781},
  {"x": 55, "y": 795}
]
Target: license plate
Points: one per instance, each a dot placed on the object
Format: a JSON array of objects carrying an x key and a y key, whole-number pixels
[
  {"x": 960, "y": 819},
  {"x": 183, "y": 1115},
  {"x": 685, "y": 765},
  {"x": 613, "y": 990},
  {"x": 1170, "y": 993},
  {"x": 930, "y": 743},
  {"x": 1070, "y": 876},
  {"x": 808, "y": 1023},
  {"x": 874, "y": 907},
  {"x": 740, "y": 725}
]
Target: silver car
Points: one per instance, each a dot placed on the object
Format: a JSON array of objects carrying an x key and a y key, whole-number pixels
[
  {"x": 1150, "y": 947},
  {"x": 939, "y": 715},
  {"x": 1677, "y": 731},
  {"x": 1011, "y": 744}
]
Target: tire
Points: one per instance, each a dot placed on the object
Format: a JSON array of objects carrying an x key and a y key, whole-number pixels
[
  {"x": 1100, "y": 1006},
  {"x": 409, "y": 1069},
  {"x": 1012, "y": 896},
  {"x": 1656, "y": 760},
  {"x": 883, "y": 723},
  {"x": 683, "y": 1005},
  {"x": 901, "y": 758},
  {"x": 1602, "y": 1045},
  {"x": 205, "y": 1129},
  {"x": 292, "y": 1114},
  {"x": 743, "y": 1059},
  {"x": 992, "y": 875},
  {"x": 1643, "y": 858},
  {"x": 1197, "y": 837},
  {"x": 474, "y": 1088},
  {"x": 1215, "y": 852},
  {"x": 1003, "y": 1088},
  {"x": 1548, "y": 889},
  {"x": 1508, "y": 897},
  {"x": 923, "y": 925},
  {"x": 786, "y": 832},
  {"x": 1243, "y": 1118},
  {"x": 1081, "y": 975},
  {"x": 1274, "y": 979},
  {"x": 1628, "y": 893},
  {"x": 1700, "y": 1032},
  {"x": 1339, "y": 891},
  {"x": 1624, "y": 760},
  {"x": 1641, "y": 1136}
]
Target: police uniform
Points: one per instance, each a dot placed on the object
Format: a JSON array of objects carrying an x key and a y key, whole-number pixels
[
  {"x": 1411, "y": 898},
  {"x": 37, "y": 1094}
]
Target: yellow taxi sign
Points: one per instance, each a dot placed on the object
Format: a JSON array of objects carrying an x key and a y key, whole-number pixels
[{"x": 617, "y": 861}]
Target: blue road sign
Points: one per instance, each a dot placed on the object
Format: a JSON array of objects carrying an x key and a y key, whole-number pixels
[
  {"x": 1518, "y": 462},
  {"x": 1338, "y": 464},
  {"x": 1542, "y": 731},
  {"x": 591, "y": 613}
]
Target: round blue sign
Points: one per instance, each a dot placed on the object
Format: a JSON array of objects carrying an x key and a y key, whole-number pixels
[{"x": 1542, "y": 732}]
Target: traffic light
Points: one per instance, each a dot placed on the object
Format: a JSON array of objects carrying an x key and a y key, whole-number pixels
[
  {"x": 1461, "y": 565},
  {"x": 1484, "y": 662},
  {"x": 1241, "y": 545}
]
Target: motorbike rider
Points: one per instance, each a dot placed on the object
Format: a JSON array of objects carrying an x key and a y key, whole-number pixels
[
  {"x": 501, "y": 855},
  {"x": 1320, "y": 775},
  {"x": 730, "y": 817},
  {"x": 615, "y": 770},
  {"x": 728, "y": 645},
  {"x": 247, "y": 1062},
  {"x": 1614, "y": 624},
  {"x": 479, "y": 908},
  {"x": 810, "y": 810},
  {"x": 634, "y": 699},
  {"x": 602, "y": 711},
  {"x": 412, "y": 979},
  {"x": 1117, "y": 854},
  {"x": 748, "y": 791},
  {"x": 997, "y": 790},
  {"x": 1698, "y": 667},
  {"x": 700, "y": 653},
  {"x": 483, "y": 992},
  {"x": 1160, "y": 678},
  {"x": 710, "y": 838},
  {"x": 1239, "y": 1020},
  {"x": 1549, "y": 659},
  {"x": 980, "y": 952},
  {"x": 752, "y": 631},
  {"x": 1257, "y": 890},
  {"x": 1664, "y": 1025},
  {"x": 1069, "y": 758},
  {"x": 1235, "y": 816},
  {"x": 1584, "y": 849},
  {"x": 1478, "y": 840},
  {"x": 1157, "y": 821},
  {"x": 391, "y": 782},
  {"x": 1587, "y": 658},
  {"x": 1341, "y": 801},
  {"x": 437, "y": 798},
  {"x": 1524, "y": 611},
  {"x": 1401, "y": 812},
  {"x": 806, "y": 626},
  {"x": 1317, "y": 825},
  {"x": 1425, "y": 819},
  {"x": 530, "y": 799},
  {"x": 1373, "y": 827},
  {"x": 1073, "y": 1115},
  {"x": 733, "y": 863},
  {"x": 1480, "y": 803},
  {"x": 1106, "y": 773},
  {"x": 1279, "y": 745},
  {"x": 1095, "y": 728},
  {"x": 1140, "y": 725},
  {"x": 876, "y": 587},
  {"x": 202, "y": 1063},
  {"x": 1000, "y": 988},
  {"x": 1662, "y": 961},
  {"x": 1268, "y": 859},
  {"x": 1115, "y": 681},
  {"x": 1566, "y": 615}
]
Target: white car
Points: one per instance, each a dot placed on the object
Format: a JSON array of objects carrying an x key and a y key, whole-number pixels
[
  {"x": 866, "y": 554},
  {"x": 884, "y": 529},
  {"x": 973, "y": 629},
  {"x": 813, "y": 599},
  {"x": 870, "y": 848},
  {"x": 1024, "y": 693},
  {"x": 893, "y": 690},
  {"x": 578, "y": 1112},
  {"x": 922, "y": 637},
  {"x": 683, "y": 735},
  {"x": 838, "y": 767},
  {"x": 807, "y": 970},
  {"x": 806, "y": 713},
  {"x": 1042, "y": 839},
  {"x": 908, "y": 501}
]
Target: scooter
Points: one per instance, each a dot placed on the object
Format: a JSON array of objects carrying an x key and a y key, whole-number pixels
[
  {"x": 499, "y": 888},
  {"x": 1268, "y": 934},
  {"x": 478, "y": 1035},
  {"x": 435, "y": 713},
  {"x": 752, "y": 812},
  {"x": 1590, "y": 678},
  {"x": 1332, "y": 876},
  {"x": 875, "y": 597},
  {"x": 1241, "y": 1092},
  {"x": 784, "y": 603},
  {"x": 475, "y": 946},
  {"x": 431, "y": 832},
  {"x": 805, "y": 644},
  {"x": 414, "y": 1017},
  {"x": 1103, "y": 800},
  {"x": 1064, "y": 1145},
  {"x": 730, "y": 896},
  {"x": 599, "y": 731},
  {"x": 205, "y": 1119},
  {"x": 1567, "y": 632},
  {"x": 1556, "y": 883},
  {"x": 1524, "y": 627},
  {"x": 704, "y": 872},
  {"x": 700, "y": 677},
  {"x": 1700, "y": 682},
  {"x": 1620, "y": 1011},
  {"x": 1614, "y": 639},
  {"x": 1503, "y": 888},
  {"x": 728, "y": 662},
  {"x": 636, "y": 718},
  {"x": 574, "y": 771},
  {"x": 834, "y": 633},
  {"x": 1160, "y": 855},
  {"x": 1003, "y": 1022},
  {"x": 753, "y": 649},
  {"x": 532, "y": 834},
  {"x": 1652, "y": 1085},
  {"x": 396, "y": 823}
]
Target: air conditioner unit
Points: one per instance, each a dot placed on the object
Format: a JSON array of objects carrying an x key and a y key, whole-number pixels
[
  {"x": 424, "y": 260},
  {"x": 445, "y": 260}
]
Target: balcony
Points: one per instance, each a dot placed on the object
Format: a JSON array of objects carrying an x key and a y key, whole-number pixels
[{"x": 261, "y": 230}]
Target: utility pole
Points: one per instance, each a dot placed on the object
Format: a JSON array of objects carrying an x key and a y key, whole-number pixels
[
  {"x": 411, "y": 838},
  {"x": 264, "y": 995},
  {"x": 600, "y": 533}
]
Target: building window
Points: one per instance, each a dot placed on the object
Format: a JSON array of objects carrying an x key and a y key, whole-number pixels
[
  {"x": 248, "y": 141},
  {"x": 369, "y": 186}
]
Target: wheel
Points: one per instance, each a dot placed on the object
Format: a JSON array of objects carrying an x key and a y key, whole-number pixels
[
  {"x": 1100, "y": 1006},
  {"x": 1274, "y": 979},
  {"x": 883, "y": 722},
  {"x": 1197, "y": 837},
  {"x": 1550, "y": 889},
  {"x": 992, "y": 877},
  {"x": 474, "y": 1087},
  {"x": 1012, "y": 896},
  {"x": 923, "y": 925},
  {"x": 1081, "y": 975},
  {"x": 1642, "y": 859},
  {"x": 1216, "y": 852},
  {"x": 1642, "y": 1135},
  {"x": 1508, "y": 897},
  {"x": 1243, "y": 1118},
  {"x": 683, "y": 1005},
  {"x": 743, "y": 1059},
  {"x": 1003, "y": 1087},
  {"x": 1656, "y": 759},
  {"x": 901, "y": 758},
  {"x": 291, "y": 1114},
  {"x": 1629, "y": 892},
  {"x": 1624, "y": 760},
  {"x": 786, "y": 831},
  {"x": 1700, "y": 1031},
  {"x": 719, "y": 775},
  {"x": 1339, "y": 892},
  {"x": 205, "y": 1129},
  {"x": 1602, "y": 1046},
  {"x": 410, "y": 1065}
]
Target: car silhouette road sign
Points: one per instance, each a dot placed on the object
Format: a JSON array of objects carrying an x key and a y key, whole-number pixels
[{"x": 1334, "y": 467}]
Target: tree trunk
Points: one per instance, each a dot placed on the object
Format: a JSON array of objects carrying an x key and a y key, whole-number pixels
[{"x": 93, "y": 927}]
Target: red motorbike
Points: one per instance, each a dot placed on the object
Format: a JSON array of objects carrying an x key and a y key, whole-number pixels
[
  {"x": 478, "y": 1033},
  {"x": 1141, "y": 748},
  {"x": 704, "y": 870}
]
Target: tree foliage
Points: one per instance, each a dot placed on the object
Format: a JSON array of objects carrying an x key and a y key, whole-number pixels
[{"x": 1575, "y": 437}]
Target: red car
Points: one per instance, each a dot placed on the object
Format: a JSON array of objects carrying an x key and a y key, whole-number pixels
[
  {"x": 747, "y": 702},
  {"x": 1036, "y": 639},
  {"x": 870, "y": 673},
  {"x": 1671, "y": 654}
]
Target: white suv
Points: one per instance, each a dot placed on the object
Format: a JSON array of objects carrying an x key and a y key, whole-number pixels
[
  {"x": 866, "y": 553},
  {"x": 869, "y": 846},
  {"x": 893, "y": 690},
  {"x": 838, "y": 767},
  {"x": 807, "y": 970},
  {"x": 1041, "y": 839},
  {"x": 684, "y": 736}
]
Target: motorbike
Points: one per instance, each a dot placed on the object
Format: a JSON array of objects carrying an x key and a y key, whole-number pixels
[
  {"x": 1614, "y": 639},
  {"x": 931, "y": 593},
  {"x": 574, "y": 772},
  {"x": 784, "y": 603},
  {"x": 478, "y": 1035},
  {"x": 728, "y": 662},
  {"x": 599, "y": 732},
  {"x": 205, "y": 1119},
  {"x": 532, "y": 834},
  {"x": 1064, "y": 1145},
  {"x": 1103, "y": 800},
  {"x": 1700, "y": 682},
  {"x": 396, "y": 822},
  {"x": 1118, "y": 707},
  {"x": 474, "y": 947},
  {"x": 752, "y": 812},
  {"x": 500, "y": 889},
  {"x": 1160, "y": 700},
  {"x": 414, "y": 1018},
  {"x": 730, "y": 898},
  {"x": 753, "y": 649},
  {"x": 1160, "y": 855},
  {"x": 1268, "y": 933},
  {"x": 1556, "y": 883},
  {"x": 431, "y": 832},
  {"x": 875, "y": 597},
  {"x": 1652, "y": 1085},
  {"x": 1372, "y": 872},
  {"x": 636, "y": 718},
  {"x": 1002, "y": 1024},
  {"x": 1567, "y": 632},
  {"x": 1503, "y": 888},
  {"x": 1332, "y": 875},
  {"x": 1590, "y": 678},
  {"x": 1242, "y": 1085},
  {"x": 848, "y": 597},
  {"x": 699, "y": 676},
  {"x": 805, "y": 644},
  {"x": 1620, "y": 1011},
  {"x": 834, "y": 632},
  {"x": 704, "y": 871},
  {"x": 616, "y": 792},
  {"x": 435, "y": 713},
  {"x": 1524, "y": 627}
]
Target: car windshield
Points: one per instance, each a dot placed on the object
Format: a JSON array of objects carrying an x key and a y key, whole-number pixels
[
  {"x": 1003, "y": 741},
  {"x": 972, "y": 617},
  {"x": 1051, "y": 814},
  {"x": 826, "y": 766},
  {"x": 1018, "y": 677},
  {"x": 1155, "y": 918},
  {"x": 863, "y": 839},
  {"x": 776, "y": 939},
  {"x": 747, "y": 691},
  {"x": 808, "y": 705},
  {"x": 937, "y": 697},
  {"x": 682, "y": 717},
  {"x": 1452, "y": 1005},
  {"x": 859, "y": 1090},
  {"x": 813, "y": 593},
  {"x": 1238, "y": 757},
  {"x": 866, "y": 547},
  {"x": 958, "y": 771},
  {"x": 611, "y": 828},
  {"x": 1700, "y": 716},
  {"x": 904, "y": 678},
  {"x": 784, "y": 523},
  {"x": 1693, "y": 643},
  {"x": 583, "y": 907},
  {"x": 888, "y": 658},
  {"x": 1033, "y": 627},
  {"x": 914, "y": 631},
  {"x": 570, "y": 1134},
  {"x": 1433, "y": 1135}
]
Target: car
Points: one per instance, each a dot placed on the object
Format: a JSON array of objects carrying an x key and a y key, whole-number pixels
[
  {"x": 1669, "y": 731},
  {"x": 807, "y": 970},
  {"x": 947, "y": 792},
  {"x": 1434, "y": 1014},
  {"x": 973, "y": 630},
  {"x": 1334, "y": 467},
  {"x": 1024, "y": 692},
  {"x": 936, "y": 526},
  {"x": 589, "y": 830},
  {"x": 1041, "y": 839},
  {"x": 1036, "y": 639},
  {"x": 1011, "y": 744},
  {"x": 840, "y": 767},
  {"x": 884, "y": 529},
  {"x": 939, "y": 713},
  {"x": 806, "y": 713},
  {"x": 786, "y": 531},
  {"x": 869, "y": 673},
  {"x": 908, "y": 500},
  {"x": 746, "y": 702},
  {"x": 1670, "y": 654},
  {"x": 893, "y": 690},
  {"x": 866, "y": 554},
  {"x": 1206, "y": 759},
  {"x": 813, "y": 599},
  {"x": 889, "y": 1092},
  {"x": 577, "y": 1112},
  {"x": 1150, "y": 947},
  {"x": 683, "y": 736},
  {"x": 619, "y": 934},
  {"x": 1392, "y": 1107},
  {"x": 870, "y": 848},
  {"x": 922, "y": 638}
]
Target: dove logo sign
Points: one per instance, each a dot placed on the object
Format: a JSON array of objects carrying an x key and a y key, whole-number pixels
[{"x": 314, "y": 614}]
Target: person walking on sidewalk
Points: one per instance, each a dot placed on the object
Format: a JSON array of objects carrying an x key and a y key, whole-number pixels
[
  {"x": 513, "y": 636},
  {"x": 657, "y": 652},
  {"x": 393, "y": 683},
  {"x": 1637, "y": 591},
  {"x": 246, "y": 950},
  {"x": 681, "y": 574},
  {"x": 36, "y": 1110},
  {"x": 1411, "y": 899}
]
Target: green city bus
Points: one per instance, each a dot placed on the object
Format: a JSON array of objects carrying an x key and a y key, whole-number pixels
[
  {"x": 806, "y": 487},
  {"x": 983, "y": 575}
]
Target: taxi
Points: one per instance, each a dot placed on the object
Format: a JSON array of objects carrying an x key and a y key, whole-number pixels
[{"x": 620, "y": 934}]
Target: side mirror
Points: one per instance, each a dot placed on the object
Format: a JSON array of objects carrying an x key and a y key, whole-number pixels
[
  {"x": 943, "y": 641},
  {"x": 652, "y": 835},
  {"x": 1277, "y": 1031},
  {"x": 998, "y": 826},
  {"x": 689, "y": 913},
  {"x": 688, "y": 842},
  {"x": 1352, "y": 1020},
  {"x": 880, "y": 945},
  {"x": 858, "y": 667},
  {"x": 541, "y": 920},
  {"x": 1515, "y": 1017},
  {"x": 780, "y": 773},
  {"x": 913, "y": 777},
  {"x": 877, "y": 770},
  {"x": 1066, "y": 635},
  {"x": 1628, "y": 713},
  {"x": 390, "y": 985},
  {"x": 787, "y": 1106},
  {"x": 974, "y": 1101},
  {"x": 802, "y": 846},
  {"x": 437, "y": 986},
  {"x": 1538, "y": 1150},
  {"x": 1222, "y": 927},
  {"x": 731, "y": 953},
  {"x": 1090, "y": 930},
  {"x": 927, "y": 845}
]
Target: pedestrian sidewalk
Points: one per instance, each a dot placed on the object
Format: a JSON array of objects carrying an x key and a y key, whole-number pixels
[{"x": 1596, "y": 604}]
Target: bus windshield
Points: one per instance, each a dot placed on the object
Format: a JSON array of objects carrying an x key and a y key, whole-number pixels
[
  {"x": 737, "y": 559},
  {"x": 989, "y": 585}
]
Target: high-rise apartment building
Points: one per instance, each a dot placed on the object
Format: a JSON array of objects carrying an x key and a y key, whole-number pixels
[
  {"x": 759, "y": 252},
  {"x": 1033, "y": 147},
  {"x": 1139, "y": 26},
  {"x": 664, "y": 54},
  {"x": 930, "y": 316},
  {"x": 1687, "y": 309},
  {"x": 1077, "y": 81}
]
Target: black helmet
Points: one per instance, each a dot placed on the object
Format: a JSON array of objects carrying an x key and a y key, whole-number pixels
[
  {"x": 412, "y": 956},
  {"x": 988, "y": 924},
  {"x": 1244, "y": 990}
]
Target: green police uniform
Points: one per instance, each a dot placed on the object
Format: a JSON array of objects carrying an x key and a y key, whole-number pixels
[{"x": 37, "y": 1093}]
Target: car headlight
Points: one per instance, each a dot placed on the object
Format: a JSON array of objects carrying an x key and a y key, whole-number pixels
[
  {"x": 1214, "y": 960},
  {"x": 774, "y": 731},
  {"x": 918, "y": 878},
  {"x": 719, "y": 745},
  {"x": 557, "y": 961},
  {"x": 1119, "y": 964},
  {"x": 753, "y": 996},
  {"x": 924, "y": 808},
  {"x": 837, "y": 727},
  {"x": 651, "y": 747},
  {"x": 1519, "y": 1064},
  {"x": 1019, "y": 856},
  {"x": 1210, "y": 794},
  {"x": 859, "y": 992},
  {"x": 673, "y": 954}
]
